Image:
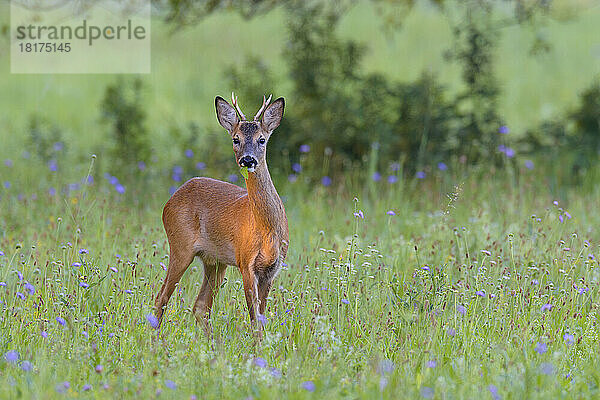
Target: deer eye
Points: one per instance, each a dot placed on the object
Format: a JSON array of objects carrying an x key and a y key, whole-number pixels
[
  {"x": 261, "y": 140},
  {"x": 236, "y": 141}
]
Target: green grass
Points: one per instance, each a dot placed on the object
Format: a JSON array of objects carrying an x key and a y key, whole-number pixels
[{"x": 409, "y": 281}]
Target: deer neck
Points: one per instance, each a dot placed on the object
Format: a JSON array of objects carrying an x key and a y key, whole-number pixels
[{"x": 265, "y": 203}]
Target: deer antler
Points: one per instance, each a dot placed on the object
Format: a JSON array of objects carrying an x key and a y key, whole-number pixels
[
  {"x": 235, "y": 104},
  {"x": 264, "y": 106}
]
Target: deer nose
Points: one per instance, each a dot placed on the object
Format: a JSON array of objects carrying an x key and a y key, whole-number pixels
[{"x": 248, "y": 161}]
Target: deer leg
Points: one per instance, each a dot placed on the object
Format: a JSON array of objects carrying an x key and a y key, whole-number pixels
[
  {"x": 264, "y": 287},
  {"x": 213, "y": 276},
  {"x": 251, "y": 292},
  {"x": 179, "y": 261}
]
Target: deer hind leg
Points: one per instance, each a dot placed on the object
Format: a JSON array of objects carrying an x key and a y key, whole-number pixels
[
  {"x": 179, "y": 261},
  {"x": 213, "y": 277},
  {"x": 264, "y": 287}
]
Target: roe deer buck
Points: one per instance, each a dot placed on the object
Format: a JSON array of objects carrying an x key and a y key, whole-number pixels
[{"x": 224, "y": 224}]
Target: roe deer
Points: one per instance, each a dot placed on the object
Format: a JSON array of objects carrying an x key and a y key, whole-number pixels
[{"x": 224, "y": 224}]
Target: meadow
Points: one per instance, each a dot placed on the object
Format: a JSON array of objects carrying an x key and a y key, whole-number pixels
[{"x": 461, "y": 282}]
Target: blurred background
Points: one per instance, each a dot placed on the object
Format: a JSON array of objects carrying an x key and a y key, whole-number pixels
[{"x": 377, "y": 91}]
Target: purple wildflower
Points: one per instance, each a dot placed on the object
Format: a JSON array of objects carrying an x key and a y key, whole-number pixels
[
  {"x": 480, "y": 293},
  {"x": 172, "y": 190},
  {"x": 11, "y": 356},
  {"x": 262, "y": 319},
  {"x": 345, "y": 301},
  {"x": 297, "y": 168},
  {"x": 170, "y": 384},
  {"x": 53, "y": 165},
  {"x": 326, "y": 181},
  {"x": 547, "y": 368},
  {"x": 84, "y": 285},
  {"x": 76, "y": 264},
  {"x": 83, "y": 251},
  {"x": 8, "y": 162},
  {"x": 20, "y": 295},
  {"x": 26, "y": 366},
  {"x": 431, "y": 364},
  {"x": 120, "y": 188},
  {"x": 6, "y": 184},
  {"x": 451, "y": 332},
  {"x": 141, "y": 165},
  {"x": 309, "y": 386},
  {"x": 86, "y": 387},
  {"x": 385, "y": 367},
  {"x": 442, "y": 166},
  {"x": 529, "y": 164},
  {"x": 189, "y": 153},
  {"x": 113, "y": 269},
  {"x": 200, "y": 165},
  {"x": 29, "y": 288},
  {"x": 152, "y": 320},
  {"x": 1, "y": 253},
  {"x": 359, "y": 214},
  {"x": 547, "y": 307},
  {"x": 275, "y": 373},
  {"x": 427, "y": 392},
  {"x": 232, "y": 178},
  {"x": 510, "y": 152},
  {"x": 376, "y": 176},
  {"x": 292, "y": 178},
  {"x": 99, "y": 368},
  {"x": 391, "y": 213},
  {"x": 44, "y": 334},
  {"x": 304, "y": 148},
  {"x": 503, "y": 130},
  {"x": 260, "y": 362},
  {"x": 61, "y": 321},
  {"x": 569, "y": 339},
  {"x": 420, "y": 175},
  {"x": 3, "y": 284},
  {"x": 561, "y": 218},
  {"x": 494, "y": 392},
  {"x": 58, "y": 146},
  {"x": 486, "y": 252},
  {"x": 391, "y": 179},
  {"x": 461, "y": 309},
  {"x": 541, "y": 347},
  {"x": 52, "y": 191}
]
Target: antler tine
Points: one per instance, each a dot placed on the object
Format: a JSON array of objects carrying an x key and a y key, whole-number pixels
[
  {"x": 237, "y": 107},
  {"x": 264, "y": 106}
]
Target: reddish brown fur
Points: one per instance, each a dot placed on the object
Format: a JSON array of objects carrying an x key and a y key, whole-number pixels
[{"x": 224, "y": 224}]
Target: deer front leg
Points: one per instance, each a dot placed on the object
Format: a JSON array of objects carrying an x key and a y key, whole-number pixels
[{"x": 251, "y": 293}]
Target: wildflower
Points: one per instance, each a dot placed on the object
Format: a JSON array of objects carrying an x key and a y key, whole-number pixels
[
  {"x": 569, "y": 339},
  {"x": 11, "y": 356},
  {"x": 359, "y": 214},
  {"x": 262, "y": 319},
  {"x": 529, "y": 164},
  {"x": 58, "y": 146},
  {"x": 510, "y": 153},
  {"x": 541, "y": 347},
  {"x": 309, "y": 386},
  {"x": 52, "y": 191},
  {"x": 547, "y": 368},
  {"x": 84, "y": 285},
  {"x": 61, "y": 321},
  {"x": 535, "y": 282},
  {"x": 20, "y": 275},
  {"x": 120, "y": 188},
  {"x": 189, "y": 153},
  {"x": 547, "y": 307},
  {"x": 390, "y": 213},
  {"x": 53, "y": 165},
  {"x": 427, "y": 392},
  {"x": 297, "y": 168},
  {"x": 275, "y": 373},
  {"x": 555, "y": 202},
  {"x": 86, "y": 387},
  {"x": 425, "y": 268},
  {"x": 232, "y": 178},
  {"x": 376, "y": 176},
  {"x": 561, "y": 218},
  {"x": 90, "y": 179},
  {"x": 172, "y": 190},
  {"x": 44, "y": 334},
  {"x": 326, "y": 181},
  {"x": 486, "y": 252},
  {"x": 99, "y": 368},
  {"x": 128, "y": 291},
  {"x": 170, "y": 384},
  {"x": 63, "y": 387},
  {"x": 260, "y": 362},
  {"x": 141, "y": 165},
  {"x": 461, "y": 309},
  {"x": 431, "y": 364},
  {"x": 200, "y": 165},
  {"x": 480, "y": 293},
  {"x": 304, "y": 148},
  {"x": 29, "y": 288},
  {"x": 567, "y": 215},
  {"x": 385, "y": 367},
  {"x": 383, "y": 382},
  {"x": 420, "y": 175},
  {"x": 503, "y": 130},
  {"x": 442, "y": 167},
  {"x": 292, "y": 178},
  {"x": 494, "y": 392},
  {"x": 152, "y": 320},
  {"x": 83, "y": 251},
  {"x": 451, "y": 332},
  {"x": 76, "y": 264},
  {"x": 391, "y": 179},
  {"x": 113, "y": 269},
  {"x": 20, "y": 295},
  {"x": 26, "y": 366},
  {"x": 1, "y": 253},
  {"x": 345, "y": 301},
  {"x": 6, "y": 184},
  {"x": 8, "y": 162}
]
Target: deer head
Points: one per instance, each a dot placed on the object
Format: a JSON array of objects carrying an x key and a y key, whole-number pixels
[{"x": 249, "y": 137}]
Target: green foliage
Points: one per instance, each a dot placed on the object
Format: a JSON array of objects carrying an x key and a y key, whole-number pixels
[
  {"x": 45, "y": 140},
  {"x": 122, "y": 110}
]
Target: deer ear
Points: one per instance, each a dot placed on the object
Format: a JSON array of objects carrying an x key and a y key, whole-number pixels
[
  {"x": 273, "y": 114},
  {"x": 226, "y": 114}
]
